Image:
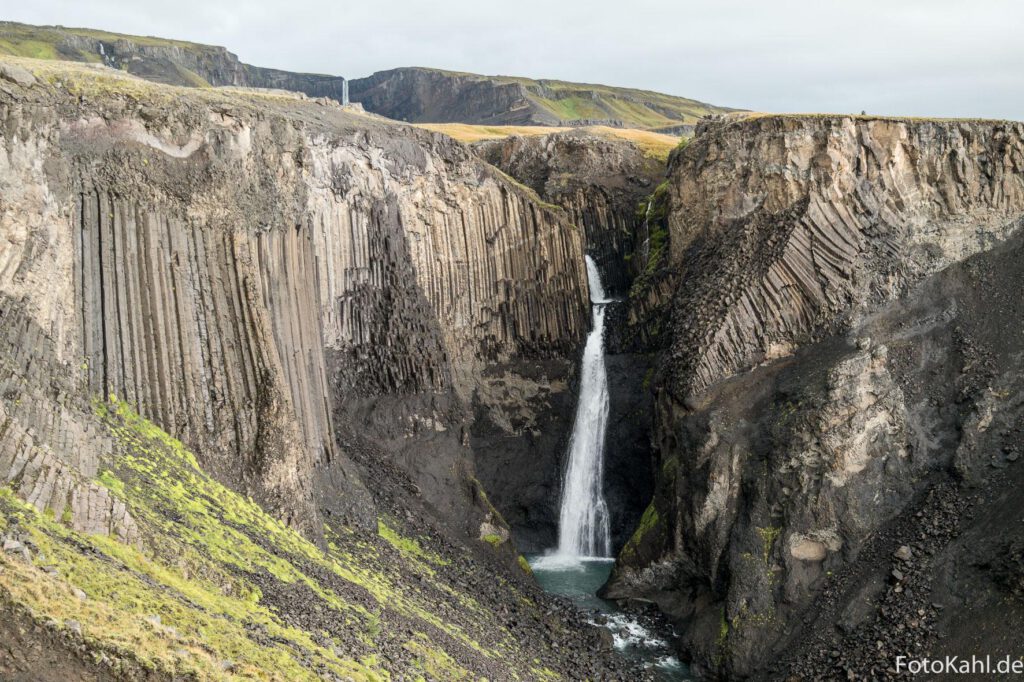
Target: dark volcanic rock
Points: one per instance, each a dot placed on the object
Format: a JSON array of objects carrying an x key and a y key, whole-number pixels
[
  {"x": 628, "y": 458},
  {"x": 600, "y": 182},
  {"x": 519, "y": 437}
]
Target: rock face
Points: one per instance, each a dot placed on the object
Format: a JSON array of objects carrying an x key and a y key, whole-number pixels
[
  {"x": 173, "y": 62},
  {"x": 419, "y": 95},
  {"x": 823, "y": 368},
  {"x": 217, "y": 304},
  {"x": 600, "y": 183},
  {"x": 257, "y": 278}
]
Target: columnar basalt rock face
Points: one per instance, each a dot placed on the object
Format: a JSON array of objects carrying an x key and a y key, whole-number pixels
[
  {"x": 246, "y": 270},
  {"x": 825, "y": 364},
  {"x": 433, "y": 292},
  {"x": 838, "y": 214}
]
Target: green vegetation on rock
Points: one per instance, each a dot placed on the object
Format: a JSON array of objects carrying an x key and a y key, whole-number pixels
[
  {"x": 564, "y": 101},
  {"x": 212, "y": 577},
  {"x": 409, "y": 547},
  {"x": 652, "y": 214},
  {"x": 768, "y": 537},
  {"x": 648, "y": 522},
  {"x": 493, "y": 540},
  {"x": 52, "y": 42}
]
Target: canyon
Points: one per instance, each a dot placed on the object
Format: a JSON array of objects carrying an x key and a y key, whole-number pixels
[{"x": 288, "y": 388}]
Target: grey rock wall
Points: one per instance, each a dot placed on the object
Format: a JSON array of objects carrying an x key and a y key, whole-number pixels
[{"x": 258, "y": 274}]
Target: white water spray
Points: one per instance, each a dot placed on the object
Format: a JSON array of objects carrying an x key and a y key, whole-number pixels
[{"x": 583, "y": 523}]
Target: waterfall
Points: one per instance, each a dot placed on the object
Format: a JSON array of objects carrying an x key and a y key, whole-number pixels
[
  {"x": 645, "y": 246},
  {"x": 583, "y": 521}
]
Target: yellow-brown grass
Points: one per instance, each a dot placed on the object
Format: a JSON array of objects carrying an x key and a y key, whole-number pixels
[
  {"x": 655, "y": 145},
  {"x": 468, "y": 133}
]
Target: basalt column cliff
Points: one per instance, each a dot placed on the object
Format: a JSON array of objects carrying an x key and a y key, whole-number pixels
[
  {"x": 842, "y": 384},
  {"x": 217, "y": 304}
]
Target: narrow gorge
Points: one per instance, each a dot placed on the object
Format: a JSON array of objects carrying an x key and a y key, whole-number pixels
[{"x": 293, "y": 391}]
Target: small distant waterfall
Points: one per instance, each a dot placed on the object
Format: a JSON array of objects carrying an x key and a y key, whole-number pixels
[
  {"x": 583, "y": 522},
  {"x": 645, "y": 246}
]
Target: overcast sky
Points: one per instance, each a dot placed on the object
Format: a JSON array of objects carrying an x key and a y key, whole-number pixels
[{"x": 912, "y": 57}]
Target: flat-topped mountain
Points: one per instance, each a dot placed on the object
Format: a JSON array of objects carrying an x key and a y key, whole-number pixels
[
  {"x": 173, "y": 62},
  {"x": 421, "y": 95}
]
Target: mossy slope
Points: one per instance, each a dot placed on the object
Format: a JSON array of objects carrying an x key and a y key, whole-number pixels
[{"x": 218, "y": 589}]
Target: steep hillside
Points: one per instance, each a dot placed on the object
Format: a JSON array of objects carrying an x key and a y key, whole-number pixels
[
  {"x": 844, "y": 365},
  {"x": 174, "y": 62},
  {"x": 420, "y": 95},
  {"x": 243, "y": 332}
]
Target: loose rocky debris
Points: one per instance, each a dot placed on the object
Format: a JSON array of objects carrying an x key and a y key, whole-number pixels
[{"x": 898, "y": 617}]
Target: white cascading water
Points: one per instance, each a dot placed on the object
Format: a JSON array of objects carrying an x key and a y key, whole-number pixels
[{"x": 583, "y": 522}]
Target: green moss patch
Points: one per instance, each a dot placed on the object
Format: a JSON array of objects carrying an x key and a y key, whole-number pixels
[
  {"x": 493, "y": 540},
  {"x": 409, "y": 547},
  {"x": 648, "y": 522},
  {"x": 206, "y": 591}
]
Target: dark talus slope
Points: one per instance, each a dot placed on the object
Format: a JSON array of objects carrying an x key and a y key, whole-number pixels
[
  {"x": 838, "y": 348},
  {"x": 218, "y": 304},
  {"x": 175, "y": 62},
  {"x": 600, "y": 182},
  {"x": 421, "y": 95}
]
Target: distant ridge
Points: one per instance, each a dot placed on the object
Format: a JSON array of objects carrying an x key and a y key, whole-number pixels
[
  {"x": 173, "y": 62},
  {"x": 423, "y": 95},
  {"x": 413, "y": 94}
]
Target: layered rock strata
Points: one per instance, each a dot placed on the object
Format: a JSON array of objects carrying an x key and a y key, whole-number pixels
[
  {"x": 173, "y": 62},
  {"x": 422, "y": 95}
]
